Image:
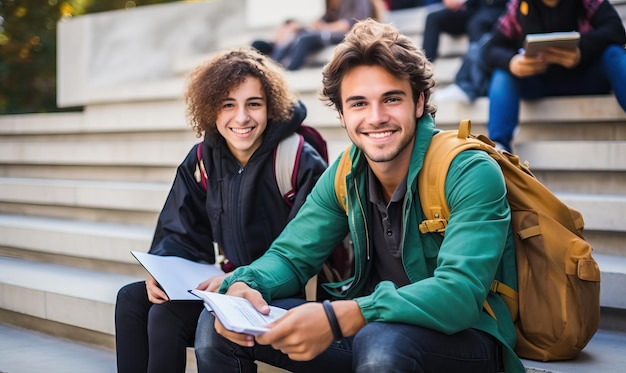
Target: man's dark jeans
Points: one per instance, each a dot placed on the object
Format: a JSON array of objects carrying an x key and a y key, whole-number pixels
[{"x": 377, "y": 347}]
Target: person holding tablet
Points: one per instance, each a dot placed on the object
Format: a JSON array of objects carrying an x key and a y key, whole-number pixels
[{"x": 596, "y": 66}]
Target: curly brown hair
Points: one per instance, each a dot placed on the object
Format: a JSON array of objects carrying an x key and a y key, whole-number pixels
[
  {"x": 373, "y": 43},
  {"x": 212, "y": 81}
]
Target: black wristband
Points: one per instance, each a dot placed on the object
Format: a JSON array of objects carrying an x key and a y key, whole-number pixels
[{"x": 332, "y": 320}]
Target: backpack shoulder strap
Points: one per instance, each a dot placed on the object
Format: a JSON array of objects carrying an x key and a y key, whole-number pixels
[
  {"x": 200, "y": 172},
  {"x": 286, "y": 161},
  {"x": 315, "y": 139},
  {"x": 431, "y": 181},
  {"x": 443, "y": 148},
  {"x": 345, "y": 164}
]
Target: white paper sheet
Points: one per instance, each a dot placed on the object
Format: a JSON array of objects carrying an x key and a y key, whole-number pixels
[
  {"x": 176, "y": 275},
  {"x": 237, "y": 314}
]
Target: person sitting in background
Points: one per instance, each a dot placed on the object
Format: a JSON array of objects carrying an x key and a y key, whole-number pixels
[
  {"x": 415, "y": 302},
  {"x": 405, "y": 4},
  {"x": 458, "y": 17},
  {"x": 295, "y": 42},
  {"x": 597, "y": 66},
  {"x": 240, "y": 101}
]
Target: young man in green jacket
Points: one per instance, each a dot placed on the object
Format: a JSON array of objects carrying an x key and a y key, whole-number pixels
[{"x": 415, "y": 302}]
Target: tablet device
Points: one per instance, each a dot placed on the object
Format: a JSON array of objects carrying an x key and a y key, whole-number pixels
[{"x": 535, "y": 43}]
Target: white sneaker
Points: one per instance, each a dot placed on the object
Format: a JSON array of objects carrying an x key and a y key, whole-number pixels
[{"x": 451, "y": 93}]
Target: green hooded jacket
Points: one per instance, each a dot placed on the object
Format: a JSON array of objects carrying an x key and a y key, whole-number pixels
[{"x": 450, "y": 277}]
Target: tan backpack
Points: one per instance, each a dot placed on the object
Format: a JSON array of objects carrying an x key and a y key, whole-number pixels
[{"x": 556, "y": 308}]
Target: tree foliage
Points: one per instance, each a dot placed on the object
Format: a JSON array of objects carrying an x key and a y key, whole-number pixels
[{"x": 28, "y": 31}]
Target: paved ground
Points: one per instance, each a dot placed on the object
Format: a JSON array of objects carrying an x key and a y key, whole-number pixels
[{"x": 25, "y": 351}]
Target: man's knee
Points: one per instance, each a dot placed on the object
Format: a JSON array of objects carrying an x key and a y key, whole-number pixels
[
  {"x": 376, "y": 347},
  {"x": 205, "y": 331}
]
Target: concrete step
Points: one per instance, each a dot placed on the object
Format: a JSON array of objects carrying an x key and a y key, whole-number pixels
[
  {"x": 613, "y": 281},
  {"x": 61, "y": 294},
  {"x": 94, "y": 241},
  {"x": 162, "y": 152},
  {"x": 601, "y": 212},
  {"x": 574, "y": 155},
  {"x": 604, "y": 353},
  {"x": 116, "y": 117},
  {"x": 96, "y": 194}
]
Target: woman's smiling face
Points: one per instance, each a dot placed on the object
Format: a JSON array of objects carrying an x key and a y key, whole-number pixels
[{"x": 242, "y": 119}]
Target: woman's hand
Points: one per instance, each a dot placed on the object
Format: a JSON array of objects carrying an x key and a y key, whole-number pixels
[
  {"x": 213, "y": 284},
  {"x": 156, "y": 295}
]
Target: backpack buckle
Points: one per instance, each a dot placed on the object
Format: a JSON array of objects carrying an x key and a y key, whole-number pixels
[{"x": 433, "y": 226}]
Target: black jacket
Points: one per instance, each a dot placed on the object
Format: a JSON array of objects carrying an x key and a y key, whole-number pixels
[{"x": 242, "y": 210}]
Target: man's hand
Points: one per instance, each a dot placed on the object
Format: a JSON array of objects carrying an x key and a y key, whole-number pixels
[
  {"x": 213, "y": 284},
  {"x": 240, "y": 289},
  {"x": 156, "y": 295},
  {"x": 522, "y": 66},
  {"x": 566, "y": 57},
  {"x": 304, "y": 332}
]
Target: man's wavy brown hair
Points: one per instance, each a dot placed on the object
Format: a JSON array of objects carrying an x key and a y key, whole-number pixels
[
  {"x": 210, "y": 83},
  {"x": 371, "y": 43}
]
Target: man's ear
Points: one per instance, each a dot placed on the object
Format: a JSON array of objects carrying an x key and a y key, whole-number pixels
[
  {"x": 342, "y": 120},
  {"x": 419, "y": 106}
]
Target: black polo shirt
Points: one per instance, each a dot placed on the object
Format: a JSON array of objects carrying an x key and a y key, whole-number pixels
[{"x": 385, "y": 230}]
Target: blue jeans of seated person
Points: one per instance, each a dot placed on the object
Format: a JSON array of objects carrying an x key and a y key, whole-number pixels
[
  {"x": 377, "y": 347},
  {"x": 505, "y": 91},
  {"x": 305, "y": 44}
]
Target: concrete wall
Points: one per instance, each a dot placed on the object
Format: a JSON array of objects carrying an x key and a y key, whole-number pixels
[
  {"x": 263, "y": 13},
  {"x": 105, "y": 55}
]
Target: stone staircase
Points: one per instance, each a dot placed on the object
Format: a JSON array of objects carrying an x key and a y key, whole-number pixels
[{"x": 79, "y": 190}]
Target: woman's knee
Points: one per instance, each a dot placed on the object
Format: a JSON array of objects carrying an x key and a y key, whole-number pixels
[{"x": 132, "y": 297}]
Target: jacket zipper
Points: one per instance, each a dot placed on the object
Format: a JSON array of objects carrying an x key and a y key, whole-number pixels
[{"x": 357, "y": 243}]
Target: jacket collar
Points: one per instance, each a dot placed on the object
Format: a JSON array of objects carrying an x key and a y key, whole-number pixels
[{"x": 425, "y": 130}]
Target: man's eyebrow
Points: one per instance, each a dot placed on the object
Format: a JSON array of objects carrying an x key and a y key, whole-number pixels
[
  {"x": 355, "y": 98},
  {"x": 395, "y": 92}
]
